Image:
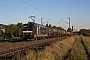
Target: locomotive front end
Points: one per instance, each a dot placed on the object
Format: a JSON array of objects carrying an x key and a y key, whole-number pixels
[{"x": 27, "y": 32}]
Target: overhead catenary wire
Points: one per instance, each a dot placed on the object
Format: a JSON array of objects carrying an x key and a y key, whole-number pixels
[
  {"x": 64, "y": 21},
  {"x": 13, "y": 6},
  {"x": 38, "y": 10},
  {"x": 14, "y": 9},
  {"x": 23, "y": 12},
  {"x": 44, "y": 11},
  {"x": 34, "y": 8}
]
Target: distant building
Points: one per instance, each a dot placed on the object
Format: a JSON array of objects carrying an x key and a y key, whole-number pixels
[{"x": 2, "y": 26}]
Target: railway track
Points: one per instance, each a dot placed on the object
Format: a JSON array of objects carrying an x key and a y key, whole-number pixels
[{"x": 7, "y": 49}]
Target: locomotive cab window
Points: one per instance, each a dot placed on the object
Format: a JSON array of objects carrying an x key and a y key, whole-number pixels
[{"x": 28, "y": 27}]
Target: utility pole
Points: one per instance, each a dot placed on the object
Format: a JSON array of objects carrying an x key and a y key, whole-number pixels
[
  {"x": 69, "y": 22},
  {"x": 42, "y": 21}
]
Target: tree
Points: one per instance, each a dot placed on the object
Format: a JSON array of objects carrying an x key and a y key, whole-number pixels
[
  {"x": 69, "y": 30},
  {"x": 49, "y": 25},
  {"x": 13, "y": 30},
  {"x": 54, "y": 26},
  {"x": 7, "y": 32},
  {"x": 15, "y": 33},
  {"x": 83, "y": 32},
  {"x": 1, "y": 33},
  {"x": 60, "y": 28},
  {"x": 19, "y": 29}
]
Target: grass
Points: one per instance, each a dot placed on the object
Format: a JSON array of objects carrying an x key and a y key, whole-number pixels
[
  {"x": 86, "y": 41},
  {"x": 78, "y": 52},
  {"x": 56, "y": 51}
]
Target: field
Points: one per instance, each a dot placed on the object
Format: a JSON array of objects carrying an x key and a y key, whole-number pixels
[
  {"x": 73, "y": 48},
  {"x": 86, "y": 41},
  {"x": 78, "y": 52}
]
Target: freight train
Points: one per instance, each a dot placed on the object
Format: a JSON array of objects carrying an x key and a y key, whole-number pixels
[{"x": 34, "y": 31}]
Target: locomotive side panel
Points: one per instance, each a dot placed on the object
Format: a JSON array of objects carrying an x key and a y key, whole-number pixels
[{"x": 39, "y": 31}]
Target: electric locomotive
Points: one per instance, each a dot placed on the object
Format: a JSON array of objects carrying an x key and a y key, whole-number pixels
[{"x": 34, "y": 31}]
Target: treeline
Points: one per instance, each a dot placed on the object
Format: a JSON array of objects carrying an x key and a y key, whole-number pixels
[
  {"x": 55, "y": 27},
  {"x": 1, "y": 33},
  {"x": 15, "y": 30},
  {"x": 84, "y": 32},
  {"x": 12, "y": 30}
]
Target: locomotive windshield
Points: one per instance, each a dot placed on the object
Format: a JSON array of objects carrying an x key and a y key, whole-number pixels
[{"x": 27, "y": 27}]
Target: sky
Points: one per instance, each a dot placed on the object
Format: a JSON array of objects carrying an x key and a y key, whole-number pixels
[{"x": 55, "y": 12}]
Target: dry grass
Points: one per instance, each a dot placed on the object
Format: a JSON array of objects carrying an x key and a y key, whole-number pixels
[
  {"x": 78, "y": 52},
  {"x": 86, "y": 41},
  {"x": 56, "y": 51}
]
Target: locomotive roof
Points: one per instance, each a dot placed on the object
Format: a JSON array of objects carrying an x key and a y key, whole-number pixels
[
  {"x": 39, "y": 25},
  {"x": 36, "y": 24}
]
